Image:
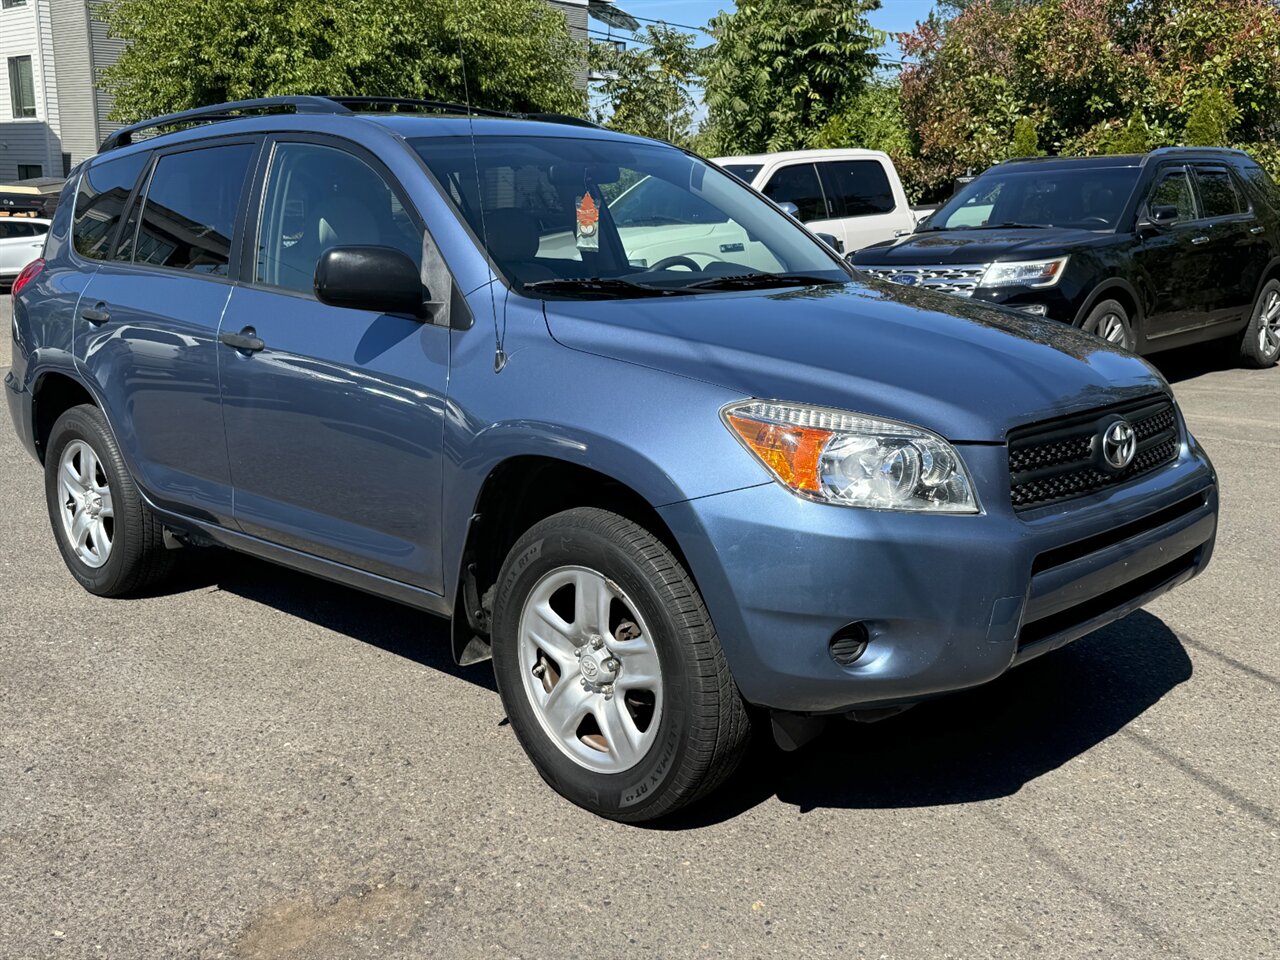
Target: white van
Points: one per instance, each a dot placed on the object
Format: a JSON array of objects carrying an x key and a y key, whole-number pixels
[{"x": 854, "y": 195}]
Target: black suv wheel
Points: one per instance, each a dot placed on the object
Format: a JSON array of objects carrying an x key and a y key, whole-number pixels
[
  {"x": 1260, "y": 345},
  {"x": 1110, "y": 321}
]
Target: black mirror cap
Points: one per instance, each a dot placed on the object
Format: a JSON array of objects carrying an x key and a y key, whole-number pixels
[
  {"x": 1163, "y": 214},
  {"x": 382, "y": 279},
  {"x": 832, "y": 241}
]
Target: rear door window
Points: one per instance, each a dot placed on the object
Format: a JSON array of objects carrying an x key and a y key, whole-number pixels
[
  {"x": 856, "y": 188},
  {"x": 104, "y": 190},
  {"x": 12, "y": 229},
  {"x": 189, "y": 213},
  {"x": 1218, "y": 193},
  {"x": 798, "y": 184}
]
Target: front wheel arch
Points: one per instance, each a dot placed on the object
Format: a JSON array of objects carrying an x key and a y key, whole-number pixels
[
  {"x": 518, "y": 493},
  {"x": 1127, "y": 297}
]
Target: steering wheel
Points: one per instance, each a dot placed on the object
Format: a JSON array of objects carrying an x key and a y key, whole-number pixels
[
  {"x": 666, "y": 263},
  {"x": 1102, "y": 220}
]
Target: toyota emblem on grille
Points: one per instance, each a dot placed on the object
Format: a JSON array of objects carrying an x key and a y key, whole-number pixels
[{"x": 1119, "y": 444}]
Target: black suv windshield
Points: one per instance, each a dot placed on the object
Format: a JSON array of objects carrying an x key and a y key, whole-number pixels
[
  {"x": 1084, "y": 197},
  {"x": 573, "y": 216}
]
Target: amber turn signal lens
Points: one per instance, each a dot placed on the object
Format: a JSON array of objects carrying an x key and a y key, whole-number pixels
[{"x": 791, "y": 452}]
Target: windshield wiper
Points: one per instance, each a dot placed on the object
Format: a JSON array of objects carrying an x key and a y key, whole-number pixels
[
  {"x": 747, "y": 281},
  {"x": 598, "y": 286}
]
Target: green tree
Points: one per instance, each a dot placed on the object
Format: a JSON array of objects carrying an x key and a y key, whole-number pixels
[
  {"x": 1100, "y": 76},
  {"x": 648, "y": 90},
  {"x": 186, "y": 53},
  {"x": 780, "y": 70},
  {"x": 1211, "y": 120},
  {"x": 1026, "y": 139},
  {"x": 872, "y": 120}
]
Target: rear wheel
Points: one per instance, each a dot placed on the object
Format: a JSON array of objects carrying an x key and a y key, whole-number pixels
[
  {"x": 1260, "y": 345},
  {"x": 108, "y": 538},
  {"x": 1110, "y": 321},
  {"x": 610, "y": 669}
]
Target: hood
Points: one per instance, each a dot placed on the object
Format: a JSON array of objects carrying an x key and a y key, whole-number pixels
[
  {"x": 930, "y": 247},
  {"x": 965, "y": 370}
]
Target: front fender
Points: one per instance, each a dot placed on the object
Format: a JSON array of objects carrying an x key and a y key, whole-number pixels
[{"x": 657, "y": 433}]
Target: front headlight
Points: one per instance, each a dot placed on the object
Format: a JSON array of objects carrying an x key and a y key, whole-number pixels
[
  {"x": 1024, "y": 273},
  {"x": 849, "y": 459}
]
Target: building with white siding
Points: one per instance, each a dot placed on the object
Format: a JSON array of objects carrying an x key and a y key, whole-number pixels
[{"x": 52, "y": 113}]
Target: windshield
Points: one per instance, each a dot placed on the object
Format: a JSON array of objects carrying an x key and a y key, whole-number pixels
[
  {"x": 560, "y": 215},
  {"x": 1089, "y": 198}
]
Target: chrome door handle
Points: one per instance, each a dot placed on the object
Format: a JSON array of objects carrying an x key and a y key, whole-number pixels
[
  {"x": 1199, "y": 240},
  {"x": 96, "y": 315},
  {"x": 1256, "y": 230}
]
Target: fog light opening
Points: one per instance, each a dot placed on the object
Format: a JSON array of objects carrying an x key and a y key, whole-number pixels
[{"x": 849, "y": 643}]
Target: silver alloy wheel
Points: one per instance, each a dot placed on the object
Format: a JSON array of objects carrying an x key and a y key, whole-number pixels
[
  {"x": 596, "y": 692},
  {"x": 84, "y": 498},
  {"x": 1111, "y": 328},
  {"x": 1269, "y": 328}
]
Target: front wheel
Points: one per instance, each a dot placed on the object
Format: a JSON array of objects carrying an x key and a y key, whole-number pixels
[
  {"x": 1260, "y": 346},
  {"x": 610, "y": 669},
  {"x": 1110, "y": 321}
]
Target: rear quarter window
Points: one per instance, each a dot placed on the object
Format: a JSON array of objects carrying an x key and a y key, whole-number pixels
[{"x": 104, "y": 190}]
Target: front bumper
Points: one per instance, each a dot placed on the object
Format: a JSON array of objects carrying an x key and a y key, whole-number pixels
[{"x": 950, "y": 601}]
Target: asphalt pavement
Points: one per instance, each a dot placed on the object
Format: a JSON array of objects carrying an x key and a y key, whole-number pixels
[{"x": 254, "y": 764}]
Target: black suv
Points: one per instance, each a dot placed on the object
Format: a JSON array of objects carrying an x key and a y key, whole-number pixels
[{"x": 1151, "y": 252}]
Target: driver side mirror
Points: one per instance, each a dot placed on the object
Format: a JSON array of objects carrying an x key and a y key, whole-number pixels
[
  {"x": 832, "y": 241},
  {"x": 1158, "y": 217},
  {"x": 790, "y": 209},
  {"x": 382, "y": 279}
]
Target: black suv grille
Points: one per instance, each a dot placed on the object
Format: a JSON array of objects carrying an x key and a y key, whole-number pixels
[{"x": 1060, "y": 459}]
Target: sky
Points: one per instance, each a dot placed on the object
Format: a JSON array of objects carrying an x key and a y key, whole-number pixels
[{"x": 894, "y": 15}]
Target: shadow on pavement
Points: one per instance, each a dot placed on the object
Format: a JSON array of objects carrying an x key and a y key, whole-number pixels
[
  {"x": 975, "y": 745},
  {"x": 412, "y": 634},
  {"x": 1187, "y": 363}
]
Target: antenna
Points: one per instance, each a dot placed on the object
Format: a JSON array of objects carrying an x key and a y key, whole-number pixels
[{"x": 499, "y": 333}]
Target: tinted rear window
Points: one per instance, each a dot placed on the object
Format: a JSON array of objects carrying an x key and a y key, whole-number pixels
[
  {"x": 189, "y": 214},
  {"x": 1218, "y": 194},
  {"x": 746, "y": 172},
  {"x": 104, "y": 189},
  {"x": 856, "y": 188}
]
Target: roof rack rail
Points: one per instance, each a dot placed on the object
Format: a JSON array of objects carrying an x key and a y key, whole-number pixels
[
  {"x": 393, "y": 104},
  {"x": 320, "y": 105},
  {"x": 439, "y": 106},
  {"x": 223, "y": 111}
]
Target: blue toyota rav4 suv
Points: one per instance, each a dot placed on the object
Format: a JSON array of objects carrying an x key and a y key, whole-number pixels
[{"x": 649, "y": 444}]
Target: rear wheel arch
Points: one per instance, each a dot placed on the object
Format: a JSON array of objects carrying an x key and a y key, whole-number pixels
[
  {"x": 52, "y": 395},
  {"x": 518, "y": 493}
]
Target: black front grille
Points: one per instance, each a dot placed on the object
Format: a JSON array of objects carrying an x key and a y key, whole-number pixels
[{"x": 1060, "y": 459}]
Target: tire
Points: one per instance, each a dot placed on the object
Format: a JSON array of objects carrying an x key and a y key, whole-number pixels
[
  {"x": 1260, "y": 344},
  {"x": 123, "y": 550},
  {"x": 697, "y": 724},
  {"x": 1110, "y": 321}
]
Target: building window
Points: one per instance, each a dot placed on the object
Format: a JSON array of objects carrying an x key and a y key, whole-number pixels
[
  {"x": 22, "y": 87},
  {"x": 10, "y": 4},
  {"x": 30, "y": 171}
]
